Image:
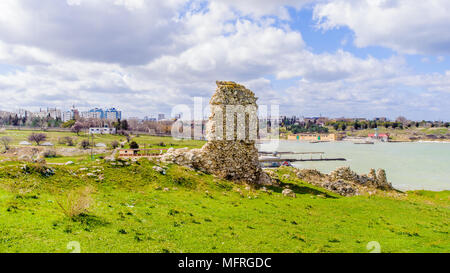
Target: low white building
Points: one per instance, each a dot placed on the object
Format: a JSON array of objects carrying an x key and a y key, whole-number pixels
[{"x": 102, "y": 130}]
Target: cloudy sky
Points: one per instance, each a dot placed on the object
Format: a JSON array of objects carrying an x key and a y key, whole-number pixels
[{"x": 353, "y": 58}]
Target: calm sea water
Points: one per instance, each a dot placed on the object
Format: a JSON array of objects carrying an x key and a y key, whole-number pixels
[{"x": 409, "y": 166}]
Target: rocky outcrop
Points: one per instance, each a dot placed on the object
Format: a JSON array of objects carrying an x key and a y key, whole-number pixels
[
  {"x": 346, "y": 182},
  {"x": 341, "y": 187},
  {"x": 231, "y": 131},
  {"x": 381, "y": 180}
]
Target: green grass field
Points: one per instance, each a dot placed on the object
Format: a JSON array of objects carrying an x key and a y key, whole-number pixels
[
  {"x": 143, "y": 140},
  {"x": 132, "y": 212}
]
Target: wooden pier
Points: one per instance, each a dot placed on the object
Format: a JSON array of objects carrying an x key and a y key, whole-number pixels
[
  {"x": 301, "y": 159},
  {"x": 277, "y": 157}
]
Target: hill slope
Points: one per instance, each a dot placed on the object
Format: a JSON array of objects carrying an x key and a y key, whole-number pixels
[{"x": 136, "y": 208}]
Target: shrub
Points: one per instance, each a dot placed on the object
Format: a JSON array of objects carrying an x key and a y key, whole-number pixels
[
  {"x": 68, "y": 124},
  {"x": 66, "y": 140},
  {"x": 70, "y": 141},
  {"x": 49, "y": 153},
  {"x": 77, "y": 202},
  {"x": 134, "y": 145},
  {"x": 6, "y": 140},
  {"x": 85, "y": 144},
  {"x": 114, "y": 144},
  {"x": 39, "y": 168},
  {"x": 61, "y": 140},
  {"x": 37, "y": 137}
]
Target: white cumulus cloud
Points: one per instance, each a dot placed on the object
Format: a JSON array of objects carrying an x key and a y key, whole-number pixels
[{"x": 402, "y": 25}]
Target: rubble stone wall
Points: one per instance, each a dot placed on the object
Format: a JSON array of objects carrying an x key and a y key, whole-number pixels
[{"x": 346, "y": 182}]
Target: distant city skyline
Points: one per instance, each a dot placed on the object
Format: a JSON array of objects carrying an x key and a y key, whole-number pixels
[
  {"x": 162, "y": 116},
  {"x": 355, "y": 58}
]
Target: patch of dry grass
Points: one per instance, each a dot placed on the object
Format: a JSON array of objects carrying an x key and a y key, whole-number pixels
[{"x": 77, "y": 201}]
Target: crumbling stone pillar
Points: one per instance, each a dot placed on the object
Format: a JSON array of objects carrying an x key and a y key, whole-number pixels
[
  {"x": 231, "y": 132},
  {"x": 382, "y": 180}
]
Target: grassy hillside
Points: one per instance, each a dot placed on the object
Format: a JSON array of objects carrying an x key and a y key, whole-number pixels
[{"x": 137, "y": 209}]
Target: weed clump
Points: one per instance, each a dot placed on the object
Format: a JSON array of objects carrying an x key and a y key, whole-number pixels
[
  {"x": 49, "y": 153},
  {"x": 38, "y": 168},
  {"x": 77, "y": 202}
]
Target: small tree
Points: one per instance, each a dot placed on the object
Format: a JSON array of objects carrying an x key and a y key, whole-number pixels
[
  {"x": 114, "y": 144},
  {"x": 134, "y": 145},
  {"x": 401, "y": 119},
  {"x": 69, "y": 141},
  {"x": 124, "y": 125},
  {"x": 76, "y": 128},
  {"x": 68, "y": 124},
  {"x": 85, "y": 144},
  {"x": 37, "y": 137},
  {"x": 6, "y": 140}
]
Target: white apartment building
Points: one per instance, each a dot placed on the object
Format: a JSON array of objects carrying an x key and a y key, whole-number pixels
[
  {"x": 66, "y": 116},
  {"x": 102, "y": 130},
  {"x": 88, "y": 114}
]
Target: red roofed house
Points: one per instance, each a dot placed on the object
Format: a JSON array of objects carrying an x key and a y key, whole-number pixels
[{"x": 383, "y": 137}]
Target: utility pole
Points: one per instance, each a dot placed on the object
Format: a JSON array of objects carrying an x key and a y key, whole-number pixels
[{"x": 92, "y": 146}]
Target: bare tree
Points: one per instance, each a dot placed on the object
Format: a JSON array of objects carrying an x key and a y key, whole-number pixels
[
  {"x": 76, "y": 128},
  {"x": 66, "y": 140},
  {"x": 401, "y": 119},
  {"x": 6, "y": 140},
  {"x": 37, "y": 137},
  {"x": 85, "y": 144}
]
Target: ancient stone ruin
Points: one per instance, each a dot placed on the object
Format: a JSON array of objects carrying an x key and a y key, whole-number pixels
[
  {"x": 230, "y": 152},
  {"x": 346, "y": 182}
]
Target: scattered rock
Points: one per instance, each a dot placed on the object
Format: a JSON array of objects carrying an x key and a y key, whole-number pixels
[
  {"x": 159, "y": 169},
  {"x": 288, "y": 193},
  {"x": 341, "y": 187},
  {"x": 286, "y": 176},
  {"x": 69, "y": 163}
]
